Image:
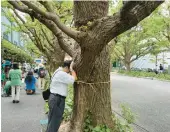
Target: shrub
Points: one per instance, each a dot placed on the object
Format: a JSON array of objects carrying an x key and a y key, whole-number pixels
[{"x": 160, "y": 76}]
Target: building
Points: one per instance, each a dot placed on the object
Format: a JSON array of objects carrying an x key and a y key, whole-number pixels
[
  {"x": 7, "y": 33},
  {"x": 152, "y": 62}
]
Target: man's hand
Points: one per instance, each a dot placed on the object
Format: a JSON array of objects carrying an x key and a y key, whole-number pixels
[
  {"x": 73, "y": 73},
  {"x": 71, "y": 66}
]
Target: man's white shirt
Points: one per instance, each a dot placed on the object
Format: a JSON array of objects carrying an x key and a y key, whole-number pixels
[{"x": 60, "y": 82}]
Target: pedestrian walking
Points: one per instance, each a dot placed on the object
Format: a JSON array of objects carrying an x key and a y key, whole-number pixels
[
  {"x": 30, "y": 82},
  {"x": 59, "y": 88},
  {"x": 15, "y": 77},
  {"x": 161, "y": 68},
  {"x": 41, "y": 76}
]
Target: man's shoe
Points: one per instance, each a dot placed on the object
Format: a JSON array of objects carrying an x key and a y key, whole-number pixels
[
  {"x": 17, "y": 101},
  {"x": 13, "y": 101}
]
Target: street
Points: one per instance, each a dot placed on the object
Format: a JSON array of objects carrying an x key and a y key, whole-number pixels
[
  {"x": 149, "y": 99},
  {"x": 24, "y": 116}
]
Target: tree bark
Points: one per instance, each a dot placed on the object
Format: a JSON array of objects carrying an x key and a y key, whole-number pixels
[
  {"x": 93, "y": 93},
  {"x": 94, "y": 97},
  {"x": 127, "y": 65}
]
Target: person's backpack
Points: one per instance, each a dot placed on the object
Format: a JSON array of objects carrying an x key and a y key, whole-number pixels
[{"x": 42, "y": 73}]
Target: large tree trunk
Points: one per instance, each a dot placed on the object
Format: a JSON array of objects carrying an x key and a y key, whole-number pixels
[
  {"x": 127, "y": 65},
  {"x": 127, "y": 60},
  {"x": 94, "y": 98},
  {"x": 93, "y": 93}
]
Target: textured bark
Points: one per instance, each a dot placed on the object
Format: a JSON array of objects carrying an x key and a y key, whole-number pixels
[
  {"x": 127, "y": 65},
  {"x": 85, "y": 11},
  {"x": 91, "y": 68},
  {"x": 93, "y": 97}
]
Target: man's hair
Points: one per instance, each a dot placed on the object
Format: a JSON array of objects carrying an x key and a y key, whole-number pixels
[
  {"x": 67, "y": 63},
  {"x": 15, "y": 66}
]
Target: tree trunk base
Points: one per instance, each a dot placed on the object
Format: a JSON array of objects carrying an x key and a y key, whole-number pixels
[{"x": 66, "y": 127}]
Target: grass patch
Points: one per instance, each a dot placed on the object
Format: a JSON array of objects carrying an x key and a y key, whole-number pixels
[{"x": 160, "y": 76}]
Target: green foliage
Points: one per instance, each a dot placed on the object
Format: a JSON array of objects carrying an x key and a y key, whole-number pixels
[
  {"x": 150, "y": 36},
  {"x": 14, "y": 52},
  {"x": 47, "y": 83},
  {"x": 124, "y": 125},
  {"x": 30, "y": 46},
  {"x": 68, "y": 105},
  {"x": 127, "y": 114},
  {"x": 121, "y": 125},
  {"x": 161, "y": 76},
  {"x": 5, "y": 4},
  {"x": 88, "y": 127},
  {"x": 46, "y": 107},
  {"x": 102, "y": 128},
  {"x": 115, "y": 6}
]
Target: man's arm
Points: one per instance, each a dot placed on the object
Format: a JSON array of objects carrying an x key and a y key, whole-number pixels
[{"x": 72, "y": 72}]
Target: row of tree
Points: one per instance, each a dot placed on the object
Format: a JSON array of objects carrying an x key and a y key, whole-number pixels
[
  {"x": 14, "y": 53},
  {"x": 82, "y": 29},
  {"x": 151, "y": 36}
]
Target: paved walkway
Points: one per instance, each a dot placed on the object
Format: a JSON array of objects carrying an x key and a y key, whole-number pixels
[{"x": 24, "y": 116}]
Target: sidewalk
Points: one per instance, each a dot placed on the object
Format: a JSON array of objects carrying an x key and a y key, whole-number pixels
[{"x": 25, "y": 116}]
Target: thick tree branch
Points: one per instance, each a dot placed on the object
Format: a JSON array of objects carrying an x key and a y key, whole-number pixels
[
  {"x": 142, "y": 53},
  {"x": 47, "y": 6},
  {"x": 18, "y": 16},
  {"x": 63, "y": 44},
  {"x": 120, "y": 53},
  {"x": 130, "y": 15},
  {"x": 34, "y": 38},
  {"x": 47, "y": 38},
  {"x": 52, "y": 16},
  {"x": 49, "y": 24},
  {"x": 118, "y": 56},
  {"x": 20, "y": 8}
]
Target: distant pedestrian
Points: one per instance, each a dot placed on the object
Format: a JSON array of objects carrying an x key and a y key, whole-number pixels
[
  {"x": 7, "y": 89},
  {"x": 2, "y": 74},
  {"x": 41, "y": 76},
  {"x": 7, "y": 69},
  {"x": 30, "y": 82},
  {"x": 15, "y": 77},
  {"x": 161, "y": 68}
]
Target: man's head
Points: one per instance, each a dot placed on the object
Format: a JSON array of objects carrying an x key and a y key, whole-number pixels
[
  {"x": 15, "y": 66},
  {"x": 66, "y": 66}
]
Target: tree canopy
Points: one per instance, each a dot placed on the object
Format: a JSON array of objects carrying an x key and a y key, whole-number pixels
[{"x": 10, "y": 51}]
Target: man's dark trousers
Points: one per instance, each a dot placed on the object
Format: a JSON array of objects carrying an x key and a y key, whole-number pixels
[{"x": 56, "y": 109}]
